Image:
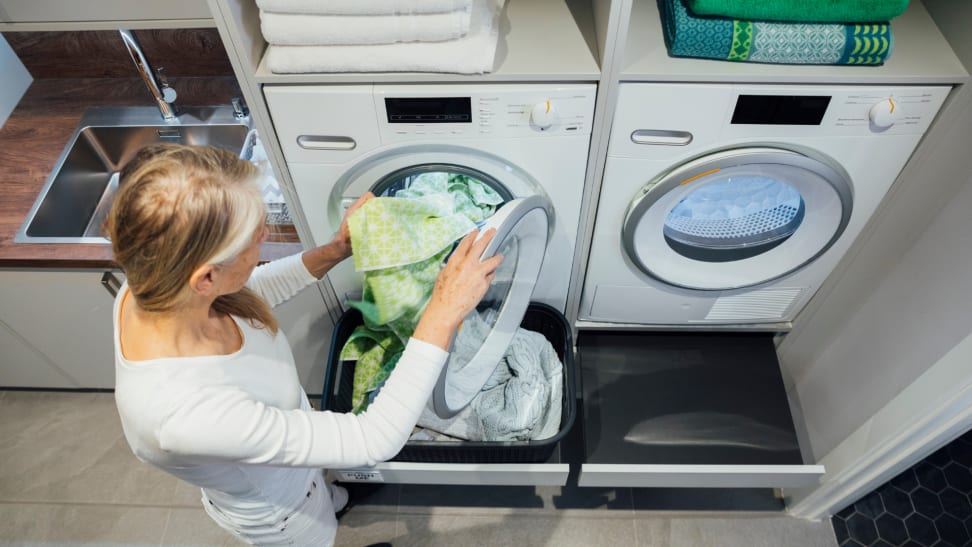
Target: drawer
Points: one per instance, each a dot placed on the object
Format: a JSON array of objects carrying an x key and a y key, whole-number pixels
[
  {"x": 704, "y": 410},
  {"x": 551, "y": 473}
]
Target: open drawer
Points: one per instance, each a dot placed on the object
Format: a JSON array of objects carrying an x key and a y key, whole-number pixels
[
  {"x": 691, "y": 409},
  {"x": 515, "y": 463}
]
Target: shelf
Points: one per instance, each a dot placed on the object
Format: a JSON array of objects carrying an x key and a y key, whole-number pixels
[
  {"x": 921, "y": 56},
  {"x": 540, "y": 40}
]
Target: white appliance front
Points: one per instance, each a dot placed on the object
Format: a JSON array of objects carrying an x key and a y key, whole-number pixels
[
  {"x": 730, "y": 204},
  {"x": 522, "y": 139}
]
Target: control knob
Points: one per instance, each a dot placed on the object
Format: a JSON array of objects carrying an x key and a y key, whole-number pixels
[
  {"x": 884, "y": 113},
  {"x": 543, "y": 115}
]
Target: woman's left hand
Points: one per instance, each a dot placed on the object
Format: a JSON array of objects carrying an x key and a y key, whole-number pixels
[{"x": 342, "y": 239}]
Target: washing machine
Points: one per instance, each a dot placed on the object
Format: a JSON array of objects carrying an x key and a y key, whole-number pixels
[
  {"x": 528, "y": 142},
  {"x": 729, "y": 205}
]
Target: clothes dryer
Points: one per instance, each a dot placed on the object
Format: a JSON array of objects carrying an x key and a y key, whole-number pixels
[
  {"x": 522, "y": 140},
  {"x": 730, "y": 204}
]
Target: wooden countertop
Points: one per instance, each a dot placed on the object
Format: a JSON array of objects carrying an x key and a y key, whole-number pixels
[{"x": 32, "y": 139}]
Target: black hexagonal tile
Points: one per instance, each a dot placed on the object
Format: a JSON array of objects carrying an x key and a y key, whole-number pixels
[
  {"x": 951, "y": 530},
  {"x": 940, "y": 457},
  {"x": 958, "y": 476},
  {"x": 926, "y": 502},
  {"x": 840, "y": 529},
  {"x": 870, "y": 505},
  {"x": 881, "y": 543},
  {"x": 962, "y": 453},
  {"x": 897, "y": 502},
  {"x": 852, "y": 543},
  {"x": 891, "y": 529},
  {"x": 921, "y": 529},
  {"x": 846, "y": 512},
  {"x": 906, "y": 481},
  {"x": 862, "y": 529},
  {"x": 956, "y": 503},
  {"x": 930, "y": 477}
]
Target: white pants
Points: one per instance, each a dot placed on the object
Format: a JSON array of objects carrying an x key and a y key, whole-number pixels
[{"x": 311, "y": 523}]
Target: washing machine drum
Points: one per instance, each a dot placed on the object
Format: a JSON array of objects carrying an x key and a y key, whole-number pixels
[
  {"x": 737, "y": 218},
  {"x": 523, "y": 227}
]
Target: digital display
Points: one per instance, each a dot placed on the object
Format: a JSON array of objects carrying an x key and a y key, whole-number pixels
[
  {"x": 780, "y": 109},
  {"x": 429, "y": 110}
]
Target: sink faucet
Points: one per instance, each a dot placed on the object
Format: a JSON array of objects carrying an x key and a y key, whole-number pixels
[{"x": 163, "y": 94}]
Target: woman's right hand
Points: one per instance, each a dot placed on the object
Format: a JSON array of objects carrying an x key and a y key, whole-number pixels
[{"x": 458, "y": 289}]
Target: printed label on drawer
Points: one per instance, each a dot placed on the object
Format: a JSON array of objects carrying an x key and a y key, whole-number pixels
[{"x": 357, "y": 475}]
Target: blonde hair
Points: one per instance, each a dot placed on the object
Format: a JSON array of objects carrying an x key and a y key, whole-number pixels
[{"x": 181, "y": 207}]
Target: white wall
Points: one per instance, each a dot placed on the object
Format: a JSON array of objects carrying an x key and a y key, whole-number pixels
[{"x": 14, "y": 82}]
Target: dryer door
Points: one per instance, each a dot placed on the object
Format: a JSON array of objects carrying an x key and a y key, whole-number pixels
[
  {"x": 522, "y": 231},
  {"x": 737, "y": 218}
]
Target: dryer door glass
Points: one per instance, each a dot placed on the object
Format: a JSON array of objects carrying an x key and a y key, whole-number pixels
[
  {"x": 734, "y": 217},
  {"x": 737, "y": 218},
  {"x": 522, "y": 230}
]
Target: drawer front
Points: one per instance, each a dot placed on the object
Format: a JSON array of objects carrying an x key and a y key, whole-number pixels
[
  {"x": 700, "y": 476},
  {"x": 505, "y": 474},
  {"x": 689, "y": 409},
  {"x": 323, "y": 124}
]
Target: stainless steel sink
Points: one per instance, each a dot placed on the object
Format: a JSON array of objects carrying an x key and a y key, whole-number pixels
[{"x": 73, "y": 205}]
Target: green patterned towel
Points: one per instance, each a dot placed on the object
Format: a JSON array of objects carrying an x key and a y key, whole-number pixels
[
  {"x": 689, "y": 35},
  {"x": 801, "y": 11},
  {"x": 475, "y": 200},
  {"x": 399, "y": 245}
]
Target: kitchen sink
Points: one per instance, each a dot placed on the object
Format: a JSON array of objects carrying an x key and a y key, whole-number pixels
[{"x": 74, "y": 202}]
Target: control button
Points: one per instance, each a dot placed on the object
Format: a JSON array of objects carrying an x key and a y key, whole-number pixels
[
  {"x": 543, "y": 115},
  {"x": 883, "y": 114}
]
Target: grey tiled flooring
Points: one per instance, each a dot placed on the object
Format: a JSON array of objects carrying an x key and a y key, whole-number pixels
[{"x": 67, "y": 477}]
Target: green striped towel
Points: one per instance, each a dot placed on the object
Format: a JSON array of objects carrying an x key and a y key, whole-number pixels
[
  {"x": 690, "y": 35},
  {"x": 801, "y": 11}
]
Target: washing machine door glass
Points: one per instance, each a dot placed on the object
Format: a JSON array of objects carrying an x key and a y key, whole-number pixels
[
  {"x": 737, "y": 218},
  {"x": 522, "y": 232}
]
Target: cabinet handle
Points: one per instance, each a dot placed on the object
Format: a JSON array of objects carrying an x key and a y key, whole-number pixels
[
  {"x": 325, "y": 142},
  {"x": 658, "y": 136},
  {"x": 111, "y": 283}
]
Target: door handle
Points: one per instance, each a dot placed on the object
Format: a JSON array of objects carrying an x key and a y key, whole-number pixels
[
  {"x": 662, "y": 137},
  {"x": 325, "y": 142},
  {"x": 111, "y": 283}
]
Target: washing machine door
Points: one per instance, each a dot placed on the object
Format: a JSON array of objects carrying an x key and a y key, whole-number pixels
[
  {"x": 522, "y": 232},
  {"x": 737, "y": 218}
]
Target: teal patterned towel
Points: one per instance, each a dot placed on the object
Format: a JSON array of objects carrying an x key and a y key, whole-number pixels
[
  {"x": 801, "y": 11},
  {"x": 690, "y": 35}
]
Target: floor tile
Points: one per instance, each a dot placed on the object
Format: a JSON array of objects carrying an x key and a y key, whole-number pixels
[
  {"x": 81, "y": 524},
  {"x": 511, "y": 530},
  {"x": 194, "y": 528},
  {"x": 63, "y": 447},
  {"x": 358, "y": 529},
  {"x": 751, "y": 532}
]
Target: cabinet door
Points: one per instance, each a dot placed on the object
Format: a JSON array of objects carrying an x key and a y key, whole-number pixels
[
  {"x": 308, "y": 326},
  {"x": 23, "y": 366},
  {"x": 66, "y": 316}
]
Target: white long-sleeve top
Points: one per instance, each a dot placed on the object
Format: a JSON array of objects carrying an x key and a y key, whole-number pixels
[{"x": 240, "y": 425}]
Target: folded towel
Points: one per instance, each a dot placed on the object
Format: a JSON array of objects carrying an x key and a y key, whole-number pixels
[
  {"x": 805, "y": 11},
  {"x": 474, "y": 53},
  {"x": 689, "y": 35},
  {"x": 363, "y": 7},
  {"x": 291, "y": 29}
]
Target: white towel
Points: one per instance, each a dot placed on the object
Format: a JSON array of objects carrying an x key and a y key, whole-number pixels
[
  {"x": 291, "y": 29},
  {"x": 363, "y": 7},
  {"x": 472, "y": 54}
]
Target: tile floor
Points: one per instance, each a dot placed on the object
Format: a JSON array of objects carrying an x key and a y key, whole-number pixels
[{"x": 67, "y": 477}]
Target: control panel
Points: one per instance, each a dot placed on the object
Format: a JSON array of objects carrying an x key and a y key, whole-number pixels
[
  {"x": 848, "y": 110},
  {"x": 430, "y": 112}
]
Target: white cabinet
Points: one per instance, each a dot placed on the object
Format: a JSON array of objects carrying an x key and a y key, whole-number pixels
[
  {"x": 23, "y": 366},
  {"x": 65, "y": 316},
  {"x": 305, "y": 321},
  {"x": 102, "y": 14}
]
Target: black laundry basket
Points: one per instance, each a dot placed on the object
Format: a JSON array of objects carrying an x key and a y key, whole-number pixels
[{"x": 541, "y": 318}]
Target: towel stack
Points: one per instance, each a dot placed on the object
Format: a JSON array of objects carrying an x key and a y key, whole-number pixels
[
  {"x": 380, "y": 35},
  {"x": 810, "y": 32}
]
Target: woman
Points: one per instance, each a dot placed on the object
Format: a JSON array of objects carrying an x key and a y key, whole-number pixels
[{"x": 205, "y": 383}]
